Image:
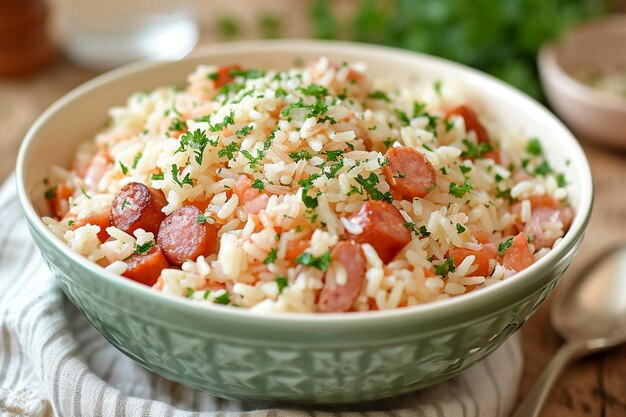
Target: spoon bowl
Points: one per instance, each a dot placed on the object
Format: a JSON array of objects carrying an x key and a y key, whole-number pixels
[{"x": 592, "y": 305}]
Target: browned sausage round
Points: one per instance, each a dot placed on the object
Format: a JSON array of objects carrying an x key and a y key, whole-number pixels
[
  {"x": 183, "y": 238},
  {"x": 383, "y": 228},
  {"x": 137, "y": 206},
  {"x": 146, "y": 268},
  {"x": 336, "y": 298},
  {"x": 471, "y": 122},
  {"x": 409, "y": 173}
]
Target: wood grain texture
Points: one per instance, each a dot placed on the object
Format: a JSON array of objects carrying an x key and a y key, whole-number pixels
[{"x": 595, "y": 386}]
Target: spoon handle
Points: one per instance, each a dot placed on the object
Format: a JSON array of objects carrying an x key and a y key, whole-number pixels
[{"x": 535, "y": 398}]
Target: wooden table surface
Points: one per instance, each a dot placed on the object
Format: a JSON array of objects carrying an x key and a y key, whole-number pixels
[{"x": 592, "y": 387}]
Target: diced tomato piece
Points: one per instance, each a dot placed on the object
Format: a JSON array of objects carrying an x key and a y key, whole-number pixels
[
  {"x": 59, "y": 203},
  {"x": 243, "y": 189},
  {"x": 224, "y": 75},
  {"x": 295, "y": 248}
]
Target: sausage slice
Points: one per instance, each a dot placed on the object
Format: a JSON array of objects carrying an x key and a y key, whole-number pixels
[
  {"x": 137, "y": 206},
  {"x": 181, "y": 236},
  {"x": 471, "y": 122},
  {"x": 409, "y": 173},
  {"x": 336, "y": 297},
  {"x": 146, "y": 268},
  {"x": 383, "y": 228}
]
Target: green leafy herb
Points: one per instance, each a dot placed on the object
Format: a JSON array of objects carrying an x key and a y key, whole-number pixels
[
  {"x": 459, "y": 191},
  {"x": 228, "y": 151},
  {"x": 248, "y": 74},
  {"x": 314, "y": 90},
  {"x": 254, "y": 161},
  {"x": 70, "y": 222},
  {"x": 157, "y": 177},
  {"x": 201, "y": 219},
  {"x": 136, "y": 160},
  {"x": 244, "y": 131},
  {"x": 502, "y": 247},
  {"x": 465, "y": 169},
  {"x": 281, "y": 281},
  {"x": 307, "y": 184},
  {"x": 322, "y": 262},
  {"x": 50, "y": 193},
  {"x": 534, "y": 147},
  {"x": 258, "y": 184},
  {"x": 424, "y": 232},
  {"x": 402, "y": 117},
  {"x": 445, "y": 267},
  {"x": 123, "y": 167},
  {"x": 302, "y": 154},
  {"x": 560, "y": 180},
  {"x": 177, "y": 125},
  {"x": 378, "y": 95},
  {"x": 186, "y": 180},
  {"x": 475, "y": 151},
  {"x": 389, "y": 142},
  {"x": 369, "y": 184},
  {"x": 459, "y": 228},
  {"x": 437, "y": 87},
  {"x": 145, "y": 248},
  {"x": 271, "y": 257},
  {"x": 196, "y": 140},
  {"x": 82, "y": 190},
  {"x": 223, "y": 298},
  {"x": 543, "y": 169},
  {"x": 189, "y": 292},
  {"x": 125, "y": 204}
]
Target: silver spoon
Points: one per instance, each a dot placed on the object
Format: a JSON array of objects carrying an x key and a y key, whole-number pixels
[{"x": 590, "y": 314}]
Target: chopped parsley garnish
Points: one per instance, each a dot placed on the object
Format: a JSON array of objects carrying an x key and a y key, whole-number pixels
[
  {"x": 123, "y": 167},
  {"x": 370, "y": 184},
  {"x": 125, "y": 204},
  {"x": 411, "y": 227},
  {"x": 281, "y": 281},
  {"x": 189, "y": 292},
  {"x": 302, "y": 154},
  {"x": 543, "y": 169},
  {"x": 499, "y": 177},
  {"x": 424, "y": 232},
  {"x": 378, "y": 95},
  {"x": 465, "y": 169},
  {"x": 249, "y": 74},
  {"x": 534, "y": 147},
  {"x": 228, "y": 120},
  {"x": 206, "y": 294},
  {"x": 258, "y": 184},
  {"x": 136, "y": 160},
  {"x": 459, "y": 228},
  {"x": 449, "y": 125},
  {"x": 157, "y": 177},
  {"x": 50, "y": 193},
  {"x": 307, "y": 184},
  {"x": 314, "y": 90},
  {"x": 145, "y": 248},
  {"x": 177, "y": 125},
  {"x": 389, "y": 142},
  {"x": 244, "y": 131},
  {"x": 271, "y": 257},
  {"x": 443, "y": 170},
  {"x": 228, "y": 150},
  {"x": 286, "y": 111},
  {"x": 560, "y": 180},
  {"x": 186, "y": 180},
  {"x": 82, "y": 190},
  {"x": 459, "y": 191},
  {"x": 418, "y": 108},
  {"x": 254, "y": 161},
  {"x": 428, "y": 148},
  {"x": 445, "y": 267},
  {"x": 437, "y": 87},
  {"x": 70, "y": 223},
  {"x": 322, "y": 262},
  {"x": 402, "y": 116},
  {"x": 280, "y": 92},
  {"x": 504, "y": 246},
  {"x": 476, "y": 151},
  {"x": 223, "y": 299},
  {"x": 196, "y": 140},
  {"x": 201, "y": 219}
]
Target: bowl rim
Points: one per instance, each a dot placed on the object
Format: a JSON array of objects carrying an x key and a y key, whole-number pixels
[
  {"x": 455, "y": 305},
  {"x": 550, "y": 66}
]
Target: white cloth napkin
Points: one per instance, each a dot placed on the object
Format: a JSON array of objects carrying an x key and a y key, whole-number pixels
[{"x": 52, "y": 362}]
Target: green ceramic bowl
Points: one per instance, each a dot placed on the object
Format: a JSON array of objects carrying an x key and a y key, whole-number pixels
[{"x": 330, "y": 358}]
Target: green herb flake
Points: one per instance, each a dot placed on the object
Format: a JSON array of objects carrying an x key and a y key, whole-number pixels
[
  {"x": 157, "y": 177},
  {"x": 534, "y": 147},
  {"x": 70, "y": 223},
  {"x": 136, "y": 160},
  {"x": 223, "y": 298},
  {"x": 228, "y": 151},
  {"x": 379, "y": 95},
  {"x": 459, "y": 191},
  {"x": 201, "y": 219},
  {"x": 300, "y": 155},
  {"x": 50, "y": 193},
  {"x": 543, "y": 169},
  {"x": 206, "y": 294},
  {"x": 459, "y": 228},
  {"x": 322, "y": 262},
  {"x": 465, "y": 169},
  {"x": 189, "y": 292},
  {"x": 560, "y": 180},
  {"x": 244, "y": 131},
  {"x": 314, "y": 90},
  {"x": 123, "y": 167},
  {"x": 186, "y": 180},
  {"x": 258, "y": 184},
  {"x": 177, "y": 125},
  {"x": 271, "y": 257},
  {"x": 369, "y": 184},
  {"x": 125, "y": 204},
  {"x": 281, "y": 281},
  {"x": 82, "y": 190},
  {"x": 402, "y": 117},
  {"x": 445, "y": 267},
  {"x": 423, "y": 231},
  {"x": 145, "y": 248},
  {"x": 504, "y": 246}
]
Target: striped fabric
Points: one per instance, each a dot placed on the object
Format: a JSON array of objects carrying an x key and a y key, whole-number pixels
[{"x": 52, "y": 362}]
